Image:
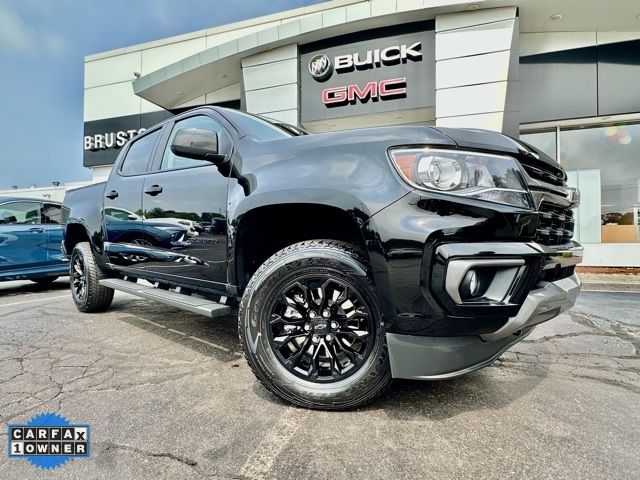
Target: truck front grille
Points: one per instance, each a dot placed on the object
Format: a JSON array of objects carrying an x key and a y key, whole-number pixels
[
  {"x": 555, "y": 225},
  {"x": 549, "y": 174}
]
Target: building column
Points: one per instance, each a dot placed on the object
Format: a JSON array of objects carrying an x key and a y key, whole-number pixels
[
  {"x": 477, "y": 70},
  {"x": 271, "y": 84}
]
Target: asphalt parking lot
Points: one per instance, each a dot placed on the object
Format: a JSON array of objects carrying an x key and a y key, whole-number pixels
[{"x": 168, "y": 395}]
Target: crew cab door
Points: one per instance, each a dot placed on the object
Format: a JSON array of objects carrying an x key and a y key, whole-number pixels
[
  {"x": 22, "y": 239},
  {"x": 51, "y": 217},
  {"x": 126, "y": 241},
  {"x": 187, "y": 199}
]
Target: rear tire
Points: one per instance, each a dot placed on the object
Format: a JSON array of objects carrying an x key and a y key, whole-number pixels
[
  {"x": 84, "y": 277},
  {"x": 330, "y": 353},
  {"x": 45, "y": 281}
]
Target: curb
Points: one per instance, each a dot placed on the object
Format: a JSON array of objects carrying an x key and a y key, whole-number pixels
[{"x": 611, "y": 287}]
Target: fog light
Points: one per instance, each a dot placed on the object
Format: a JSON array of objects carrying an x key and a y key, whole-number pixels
[
  {"x": 470, "y": 285},
  {"x": 483, "y": 280}
]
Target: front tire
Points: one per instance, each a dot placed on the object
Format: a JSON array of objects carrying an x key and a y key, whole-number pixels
[
  {"x": 311, "y": 329},
  {"x": 84, "y": 276}
]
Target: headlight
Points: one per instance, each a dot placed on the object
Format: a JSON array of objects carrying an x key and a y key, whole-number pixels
[{"x": 494, "y": 178}]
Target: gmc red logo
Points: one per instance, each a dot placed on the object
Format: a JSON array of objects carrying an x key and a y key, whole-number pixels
[{"x": 383, "y": 90}]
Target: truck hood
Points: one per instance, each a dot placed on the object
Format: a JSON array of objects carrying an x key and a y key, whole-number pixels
[{"x": 488, "y": 140}]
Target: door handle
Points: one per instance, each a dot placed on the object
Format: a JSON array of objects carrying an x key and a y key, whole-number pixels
[
  {"x": 36, "y": 230},
  {"x": 112, "y": 194},
  {"x": 153, "y": 190}
]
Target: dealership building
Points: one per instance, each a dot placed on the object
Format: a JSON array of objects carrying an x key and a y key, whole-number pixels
[{"x": 562, "y": 75}]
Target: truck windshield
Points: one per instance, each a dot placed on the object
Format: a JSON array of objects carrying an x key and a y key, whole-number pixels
[{"x": 259, "y": 128}]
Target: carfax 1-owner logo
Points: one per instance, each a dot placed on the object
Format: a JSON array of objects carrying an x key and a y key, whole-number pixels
[{"x": 48, "y": 440}]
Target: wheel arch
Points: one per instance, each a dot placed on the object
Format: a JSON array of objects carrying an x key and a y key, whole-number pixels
[
  {"x": 75, "y": 233},
  {"x": 259, "y": 232}
]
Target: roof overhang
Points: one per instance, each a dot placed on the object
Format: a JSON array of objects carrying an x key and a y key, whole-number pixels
[{"x": 221, "y": 66}]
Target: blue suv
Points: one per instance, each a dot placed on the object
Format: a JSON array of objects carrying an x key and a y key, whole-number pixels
[{"x": 30, "y": 240}]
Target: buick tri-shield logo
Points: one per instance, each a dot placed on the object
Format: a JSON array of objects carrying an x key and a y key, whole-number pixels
[{"x": 320, "y": 67}]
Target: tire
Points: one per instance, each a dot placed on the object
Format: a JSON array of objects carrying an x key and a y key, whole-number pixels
[
  {"x": 343, "y": 372},
  {"x": 84, "y": 276},
  {"x": 45, "y": 281}
]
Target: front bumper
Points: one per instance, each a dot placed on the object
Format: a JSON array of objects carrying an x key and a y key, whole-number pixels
[
  {"x": 431, "y": 358},
  {"x": 547, "y": 301}
]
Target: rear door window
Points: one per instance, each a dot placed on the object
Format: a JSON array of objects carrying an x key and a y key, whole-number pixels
[
  {"x": 139, "y": 153},
  {"x": 52, "y": 214}
]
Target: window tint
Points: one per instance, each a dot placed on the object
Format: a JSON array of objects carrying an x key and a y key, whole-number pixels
[
  {"x": 52, "y": 213},
  {"x": 138, "y": 155},
  {"x": 121, "y": 214},
  {"x": 201, "y": 122},
  {"x": 20, "y": 213},
  {"x": 257, "y": 127}
]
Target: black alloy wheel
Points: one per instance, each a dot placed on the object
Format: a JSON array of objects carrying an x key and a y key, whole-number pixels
[
  {"x": 311, "y": 328},
  {"x": 321, "y": 328},
  {"x": 78, "y": 278},
  {"x": 84, "y": 277}
]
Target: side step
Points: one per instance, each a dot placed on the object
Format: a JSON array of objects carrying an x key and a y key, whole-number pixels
[{"x": 198, "y": 305}]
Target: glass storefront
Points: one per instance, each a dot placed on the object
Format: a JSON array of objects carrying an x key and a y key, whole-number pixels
[{"x": 603, "y": 161}]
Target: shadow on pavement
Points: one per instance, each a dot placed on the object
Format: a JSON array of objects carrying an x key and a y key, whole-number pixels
[
  {"x": 405, "y": 400},
  {"x": 25, "y": 287}
]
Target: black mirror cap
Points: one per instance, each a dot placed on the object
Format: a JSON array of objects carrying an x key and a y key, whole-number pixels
[{"x": 197, "y": 144}]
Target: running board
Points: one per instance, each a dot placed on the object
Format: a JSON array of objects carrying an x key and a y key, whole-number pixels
[{"x": 198, "y": 305}]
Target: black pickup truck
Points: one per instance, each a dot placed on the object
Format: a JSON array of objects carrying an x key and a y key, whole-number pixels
[{"x": 352, "y": 257}]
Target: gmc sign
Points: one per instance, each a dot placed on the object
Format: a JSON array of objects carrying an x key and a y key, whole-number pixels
[{"x": 385, "y": 89}]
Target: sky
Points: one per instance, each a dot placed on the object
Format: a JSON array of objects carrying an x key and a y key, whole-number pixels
[{"x": 42, "y": 47}]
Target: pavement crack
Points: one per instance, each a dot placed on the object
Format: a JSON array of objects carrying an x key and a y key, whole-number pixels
[{"x": 109, "y": 446}]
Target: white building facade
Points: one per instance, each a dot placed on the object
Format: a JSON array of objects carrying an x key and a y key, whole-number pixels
[{"x": 564, "y": 76}]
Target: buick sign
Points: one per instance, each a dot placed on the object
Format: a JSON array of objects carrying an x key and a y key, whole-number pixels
[{"x": 320, "y": 67}]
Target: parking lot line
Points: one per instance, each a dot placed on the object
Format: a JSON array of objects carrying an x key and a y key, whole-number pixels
[
  {"x": 149, "y": 321},
  {"x": 263, "y": 457},
  {"x": 176, "y": 331},
  {"x": 220, "y": 347},
  {"x": 33, "y": 300}
]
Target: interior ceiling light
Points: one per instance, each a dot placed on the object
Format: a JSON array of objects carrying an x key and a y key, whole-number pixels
[
  {"x": 472, "y": 7},
  {"x": 556, "y": 18}
]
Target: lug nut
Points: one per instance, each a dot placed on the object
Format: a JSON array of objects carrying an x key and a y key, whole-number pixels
[
  {"x": 315, "y": 338},
  {"x": 307, "y": 327},
  {"x": 335, "y": 325},
  {"x": 326, "y": 313},
  {"x": 313, "y": 314},
  {"x": 329, "y": 337}
]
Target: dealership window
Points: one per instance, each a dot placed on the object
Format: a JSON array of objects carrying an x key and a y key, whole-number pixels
[
  {"x": 545, "y": 141},
  {"x": 603, "y": 161}
]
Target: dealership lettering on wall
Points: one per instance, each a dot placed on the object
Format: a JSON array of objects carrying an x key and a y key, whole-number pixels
[
  {"x": 322, "y": 68},
  {"x": 103, "y": 141}
]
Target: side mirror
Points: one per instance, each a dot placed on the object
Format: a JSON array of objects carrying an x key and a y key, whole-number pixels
[{"x": 197, "y": 144}]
